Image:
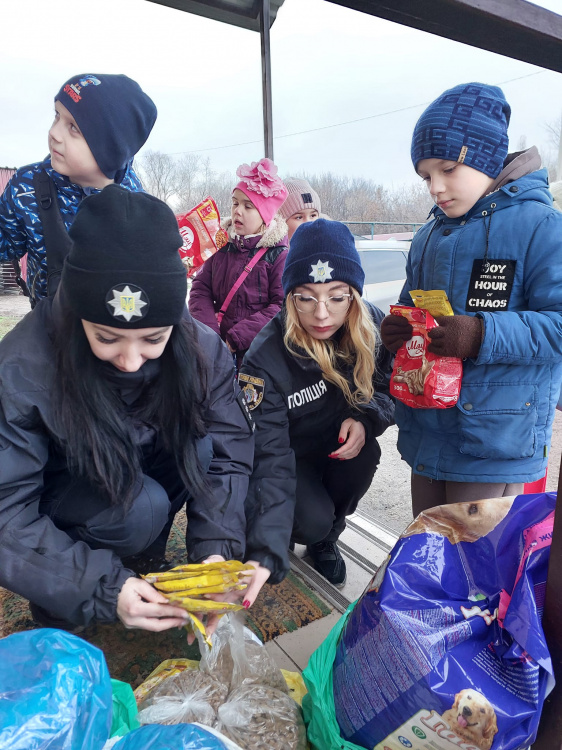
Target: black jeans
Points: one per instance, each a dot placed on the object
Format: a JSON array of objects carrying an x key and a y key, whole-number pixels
[
  {"x": 83, "y": 512},
  {"x": 328, "y": 490},
  {"x": 80, "y": 509}
]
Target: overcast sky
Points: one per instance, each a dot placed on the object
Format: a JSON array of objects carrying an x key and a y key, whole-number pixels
[{"x": 330, "y": 65}]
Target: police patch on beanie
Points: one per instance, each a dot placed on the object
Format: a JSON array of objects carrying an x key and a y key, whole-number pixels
[
  {"x": 321, "y": 272},
  {"x": 128, "y": 302}
]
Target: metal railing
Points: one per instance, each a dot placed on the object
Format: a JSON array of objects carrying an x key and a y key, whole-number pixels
[{"x": 372, "y": 224}]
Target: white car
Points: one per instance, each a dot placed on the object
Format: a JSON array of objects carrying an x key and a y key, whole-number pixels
[{"x": 384, "y": 263}]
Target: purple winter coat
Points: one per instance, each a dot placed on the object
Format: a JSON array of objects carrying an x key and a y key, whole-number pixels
[{"x": 259, "y": 298}]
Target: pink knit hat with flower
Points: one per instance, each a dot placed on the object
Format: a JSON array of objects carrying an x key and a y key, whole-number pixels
[{"x": 260, "y": 183}]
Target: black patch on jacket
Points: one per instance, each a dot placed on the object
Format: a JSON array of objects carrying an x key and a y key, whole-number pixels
[{"x": 491, "y": 283}]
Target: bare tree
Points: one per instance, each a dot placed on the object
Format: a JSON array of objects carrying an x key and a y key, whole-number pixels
[
  {"x": 159, "y": 174},
  {"x": 188, "y": 181},
  {"x": 554, "y": 130},
  {"x": 220, "y": 189},
  {"x": 207, "y": 175},
  {"x": 358, "y": 200},
  {"x": 552, "y": 159}
]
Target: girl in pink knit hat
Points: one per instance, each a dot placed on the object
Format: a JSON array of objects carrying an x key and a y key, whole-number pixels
[{"x": 238, "y": 289}]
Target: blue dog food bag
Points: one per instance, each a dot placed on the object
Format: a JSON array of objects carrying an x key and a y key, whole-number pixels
[{"x": 445, "y": 649}]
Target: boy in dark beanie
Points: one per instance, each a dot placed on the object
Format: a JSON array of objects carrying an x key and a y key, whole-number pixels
[
  {"x": 494, "y": 245},
  {"x": 101, "y": 122}
]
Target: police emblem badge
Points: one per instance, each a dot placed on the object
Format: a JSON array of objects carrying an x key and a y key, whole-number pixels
[
  {"x": 252, "y": 388},
  {"x": 321, "y": 271},
  {"x": 127, "y": 301}
]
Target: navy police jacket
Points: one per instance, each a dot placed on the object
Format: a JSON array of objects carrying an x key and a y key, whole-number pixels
[
  {"x": 502, "y": 261},
  {"x": 39, "y": 560},
  {"x": 296, "y": 412}
]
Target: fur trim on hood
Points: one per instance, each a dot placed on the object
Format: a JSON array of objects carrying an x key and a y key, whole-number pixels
[{"x": 273, "y": 235}]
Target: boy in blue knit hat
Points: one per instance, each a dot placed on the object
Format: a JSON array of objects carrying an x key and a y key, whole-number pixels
[
  {"x": 494, "y": 245},
  {"x": 101, "y": 121}
]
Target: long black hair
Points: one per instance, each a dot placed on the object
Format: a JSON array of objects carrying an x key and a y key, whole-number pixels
[{"x": 97, "y": 437}]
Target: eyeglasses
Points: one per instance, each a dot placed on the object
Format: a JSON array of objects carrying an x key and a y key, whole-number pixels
[{"x": 305, "y": 303}]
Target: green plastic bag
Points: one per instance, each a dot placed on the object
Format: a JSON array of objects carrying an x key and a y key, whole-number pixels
[
  {"x": 318, "y": 704},
  {"x": 125, "y": 709}
]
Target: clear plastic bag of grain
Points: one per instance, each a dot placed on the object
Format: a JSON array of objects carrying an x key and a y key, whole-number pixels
[
  {"x": 217, "y": 661},
  {"x": 258, "y": 716},
  {"x": 184, "y": 698},
  {"x": 254, "y": 666},
  {"x": 238, "y": 658}
]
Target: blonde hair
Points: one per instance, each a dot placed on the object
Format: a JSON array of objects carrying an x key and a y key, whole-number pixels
[{"x": 355, "y": 348}]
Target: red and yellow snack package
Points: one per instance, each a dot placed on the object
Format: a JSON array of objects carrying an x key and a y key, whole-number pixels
[
  {"x": 202, "y": 235},
  {"x": 421, "y": 379}
]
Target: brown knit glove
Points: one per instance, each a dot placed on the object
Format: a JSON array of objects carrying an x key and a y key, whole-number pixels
[
  {"x": 395, "y": 330},
  {"x": 457, "y": 336}
]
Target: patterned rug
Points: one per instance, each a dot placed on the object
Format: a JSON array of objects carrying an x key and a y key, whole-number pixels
[{"x": 132, "y": 654}]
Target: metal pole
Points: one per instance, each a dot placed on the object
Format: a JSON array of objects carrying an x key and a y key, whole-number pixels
[
  {"x": 550, "y": 729},
  {"x": 265, "y": 23}
]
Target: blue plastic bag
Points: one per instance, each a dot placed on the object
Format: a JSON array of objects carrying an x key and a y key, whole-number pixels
[
  {"x": 176, "y": 736},
  {"x": 55, "y": 692},
  {"x": 445, "y": 649}
]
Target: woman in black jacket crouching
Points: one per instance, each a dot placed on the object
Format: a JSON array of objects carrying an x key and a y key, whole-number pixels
[
  {"x": 317, "y": 382},
  {"x": 116, "y": 409}
]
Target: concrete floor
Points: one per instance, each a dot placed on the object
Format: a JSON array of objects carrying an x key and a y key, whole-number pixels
[{"x": 388, "y": 498}]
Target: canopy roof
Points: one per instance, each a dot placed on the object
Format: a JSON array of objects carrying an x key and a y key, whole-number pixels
[
  {"x": 515, "y": 28},
  {"x": 243, "y": 13}
]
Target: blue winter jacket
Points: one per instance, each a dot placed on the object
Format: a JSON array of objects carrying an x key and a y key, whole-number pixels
[
  {"x": 500, "y": 429},
  {"x": 21, "y": 231}
]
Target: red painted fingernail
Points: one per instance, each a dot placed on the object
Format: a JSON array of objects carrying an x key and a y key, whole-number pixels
[
  {"x": 341, "y": 440},
  {"x": 246, "y": 604}
]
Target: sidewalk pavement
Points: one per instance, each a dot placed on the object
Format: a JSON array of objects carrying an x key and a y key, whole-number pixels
[{"x": 13, "y": 305}]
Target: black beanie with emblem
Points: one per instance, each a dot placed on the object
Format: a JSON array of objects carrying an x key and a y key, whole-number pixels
[
  {"x": 114, "y": 115},
  {"x": 124, "y": 268}
]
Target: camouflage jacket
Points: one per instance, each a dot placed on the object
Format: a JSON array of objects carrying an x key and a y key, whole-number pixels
[{"x": 21, "y": 231}]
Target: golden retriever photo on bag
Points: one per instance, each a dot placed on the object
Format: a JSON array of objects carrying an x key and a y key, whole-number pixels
[
  {"x": 462, "y": 522},
  {"x": 472, "y": 718}
]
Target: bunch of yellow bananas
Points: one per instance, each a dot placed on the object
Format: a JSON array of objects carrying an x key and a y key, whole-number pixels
[{"x": 187, "y": 586}]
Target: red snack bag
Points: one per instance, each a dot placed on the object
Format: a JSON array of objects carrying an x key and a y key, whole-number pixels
[
  {"x": 421, "y": 379},
  {"x": 202, "y": 235}
]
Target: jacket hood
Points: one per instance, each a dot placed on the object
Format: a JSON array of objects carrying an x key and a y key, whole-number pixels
[
  {"x": 518, "y": 164},
  {"x": 274, "y": 235}
]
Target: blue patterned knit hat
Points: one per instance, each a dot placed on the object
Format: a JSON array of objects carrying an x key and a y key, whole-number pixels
[
  {"x": 321, "y": 251},
  {"x": 466, "y": 124}
]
